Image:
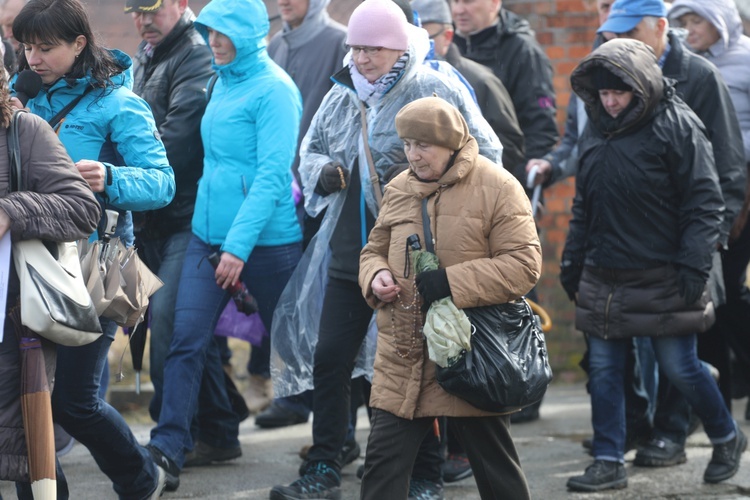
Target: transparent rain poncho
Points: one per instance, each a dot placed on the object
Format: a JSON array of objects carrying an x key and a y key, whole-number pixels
[{"x": 335, "y": 135}]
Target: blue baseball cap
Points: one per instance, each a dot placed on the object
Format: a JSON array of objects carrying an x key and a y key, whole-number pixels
[{"x": 626, "y": 14}]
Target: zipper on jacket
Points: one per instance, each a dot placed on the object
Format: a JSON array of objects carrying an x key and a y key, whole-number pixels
[{"x": 606, "y": 310}]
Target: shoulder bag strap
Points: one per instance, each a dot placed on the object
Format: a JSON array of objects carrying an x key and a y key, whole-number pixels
[
  {"x": 14, "y": 153},
  {"x": 55, "y": 120},
  {"x": 374, "y": 179},
  {"x": 428, "y": 244}
]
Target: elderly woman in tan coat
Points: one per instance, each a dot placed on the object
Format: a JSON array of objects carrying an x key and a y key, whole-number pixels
[{"x": 489, "y": 253}]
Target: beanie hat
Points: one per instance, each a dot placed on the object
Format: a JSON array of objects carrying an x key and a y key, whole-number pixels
[
  {"x": 378, "y": 23},
  {"x": 433, "y": 120},
  {"x": 433, "y": 11},
  {"x": 602, "y": 78}
]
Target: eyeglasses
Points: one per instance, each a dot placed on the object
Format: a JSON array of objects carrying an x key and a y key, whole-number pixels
[
  {"x": 369, "y": 51},
  {"x": 435, "y": 35}
]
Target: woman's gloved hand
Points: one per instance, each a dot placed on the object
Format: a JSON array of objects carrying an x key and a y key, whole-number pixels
[
  {"x": 333, "y": 178},
  {"x": 432, "y": 286},
  {"x": 570, "y": 276},
  {"x": 691, "y": 284}
]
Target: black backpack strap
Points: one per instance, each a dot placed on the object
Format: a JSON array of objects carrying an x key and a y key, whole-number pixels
[
  {"x": 14, "y": 153},
  {"x": 210, "y": 86},
  {"x": 429, "y": 246},
  {"x": 55, "y": 120}
]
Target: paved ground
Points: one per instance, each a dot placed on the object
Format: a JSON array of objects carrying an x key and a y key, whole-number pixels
[{"x": 550, "y": 451}]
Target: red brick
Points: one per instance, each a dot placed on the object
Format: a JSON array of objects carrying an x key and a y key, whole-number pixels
[
  {"x": 578, "y": 51},
  {"x": 555, "y": 52}
]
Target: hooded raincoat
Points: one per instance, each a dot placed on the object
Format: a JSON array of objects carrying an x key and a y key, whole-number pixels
[
  {"x": 731, "y": 53},
  {"x": 335, "y": 135},
  {"x": 249, "y": 132},
  {"x": 647, "y": 201}
]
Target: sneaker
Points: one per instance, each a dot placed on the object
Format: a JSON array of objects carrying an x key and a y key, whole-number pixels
[
  {"x": 161, "y": 480},
  {"x": 63, "y": 441},
  {"x": 660, "y": 452},
  {"x": 424, "y": 489},
  {"x": 726, "y": 459},
  {"x": 172, "y": 472},
  {"x": 601, "y": 475},
  {"x": 205, "y": 454},
  {"x": 456, "y": 467},
  {"x": 348, "y": 454},
  {"x": 319, "y": 481},
  {"x": 277, "y": 415}
]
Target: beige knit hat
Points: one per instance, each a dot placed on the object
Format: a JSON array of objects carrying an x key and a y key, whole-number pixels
[{"x": 433, "y": 120}]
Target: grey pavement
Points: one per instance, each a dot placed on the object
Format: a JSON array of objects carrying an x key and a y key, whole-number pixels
[{"x": 550, "y": 450}]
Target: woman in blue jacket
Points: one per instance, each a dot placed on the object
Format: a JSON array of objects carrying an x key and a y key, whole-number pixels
[
  {"x": 244, "y": 210},
  {"x": 110, "y": 134}
]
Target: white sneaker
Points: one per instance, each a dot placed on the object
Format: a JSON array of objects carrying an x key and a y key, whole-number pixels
[{"x": 161, "y": 481}]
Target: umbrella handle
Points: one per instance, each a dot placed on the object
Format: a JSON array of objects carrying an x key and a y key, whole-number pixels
[{"x": 543, "y": 315}]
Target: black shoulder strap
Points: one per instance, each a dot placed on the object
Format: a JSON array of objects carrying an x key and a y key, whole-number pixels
[
  {"x": 14, "y": 153},
  {"x": 55, "y": 120},
  {"x": 429, "y": 246},
  {"x": 210, "y": 86}
]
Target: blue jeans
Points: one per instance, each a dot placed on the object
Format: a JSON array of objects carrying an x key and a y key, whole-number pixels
[
  {"x": 679, "y": 362},
  {"x": 76, "y": 406},
  {"x": 164, "y": 256},
  {"x": 199, "y": 304}
]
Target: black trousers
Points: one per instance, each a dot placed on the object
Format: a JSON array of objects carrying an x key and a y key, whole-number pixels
[
  {"x": 395, "y": 442},
  {"x": 343, "y": 326}
]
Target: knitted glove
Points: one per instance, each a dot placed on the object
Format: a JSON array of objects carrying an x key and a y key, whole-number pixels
[
  {"x": 691, "y": 284},
  {"x": 433, "y": 285},
  {"x": 333, "y": 178},
  {"x": 570, "y": 276}
]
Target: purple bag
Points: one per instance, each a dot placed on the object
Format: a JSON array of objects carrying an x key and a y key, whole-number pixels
[{"x": 233, "y": 323}]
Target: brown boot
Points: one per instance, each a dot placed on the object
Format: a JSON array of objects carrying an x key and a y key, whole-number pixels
[{"x": 258, "y": 394}]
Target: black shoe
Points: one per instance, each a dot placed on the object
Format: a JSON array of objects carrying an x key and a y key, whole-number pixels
[
  {"x": 361, "y": 471},
  {"x": 348, "y": 454},
  {"x": 601, "y": 475},
  {"x": 205, "y": 454},
  {"x": 660, "y": 452},
  {"x": 725, "y": 459},
  {"x": 528, "y": 414},
  {"x": 423, "y": 489},
  {"x": 456, "y": 467},
  {"x": 319, "y": 481},
  {"x": 278, "y": 416},
  {"x": 172, "y": 472}
]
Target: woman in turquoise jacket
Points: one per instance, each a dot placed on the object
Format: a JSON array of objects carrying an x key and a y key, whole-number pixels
[
  {"x": 244, "y": 211},
  {"x": 110, "y": 134}
]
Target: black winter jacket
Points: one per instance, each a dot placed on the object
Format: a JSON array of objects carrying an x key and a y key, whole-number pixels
[
  {"x": 511, "y": 51},
  {"x": 701, "y": 86},
  {"x": 173, "y": 82},
  {"x": 647, "y": 192}
]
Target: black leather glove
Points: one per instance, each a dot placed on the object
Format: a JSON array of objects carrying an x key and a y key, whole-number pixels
[
  {"x": 691, "y": 284},
  {"x": 333, "y": 178},
  {"x": 570, "y": 276},
  {"x": 433, "y": 285}
]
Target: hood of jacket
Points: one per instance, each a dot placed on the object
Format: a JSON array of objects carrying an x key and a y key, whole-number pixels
[
  {"x": 315, "y": 20},
  {"x": 722, "y": 14},
  {"x": 635, "y": 63},
  {"x": 245, "y": 23}
]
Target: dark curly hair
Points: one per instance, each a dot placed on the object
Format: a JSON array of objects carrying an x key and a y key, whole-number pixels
[{"x": 62, "y": 21}]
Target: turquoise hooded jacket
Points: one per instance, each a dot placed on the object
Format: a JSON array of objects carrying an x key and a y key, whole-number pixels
[
  {"x": 249, "y": 135},
  {"x": 116, "y": 127}
]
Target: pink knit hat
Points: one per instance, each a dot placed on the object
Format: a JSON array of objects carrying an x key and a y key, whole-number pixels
[{"x": 378, "y": 23}]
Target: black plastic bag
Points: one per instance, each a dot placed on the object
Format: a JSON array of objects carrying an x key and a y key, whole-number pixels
[{"x": 507, "y": 367}]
